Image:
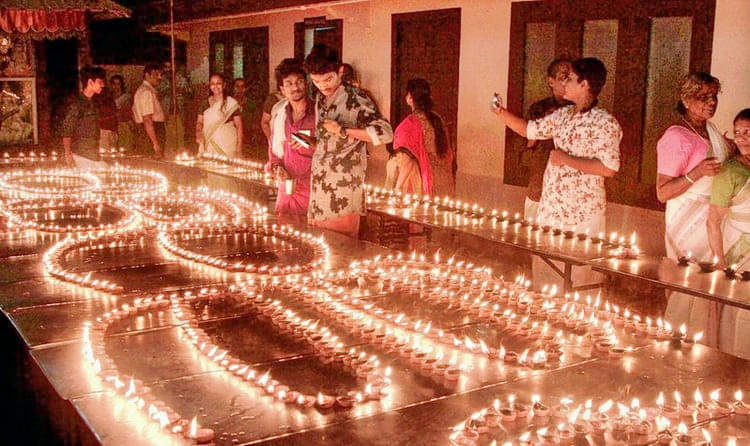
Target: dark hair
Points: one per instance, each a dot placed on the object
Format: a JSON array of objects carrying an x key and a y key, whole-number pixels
[
  {"x": 692, "y": 84},
  {"x": 348, "y": 75},
  {"x": 555, "y": 65},
  {"x": 286, "y": 68},
  {"x": 322, "y": 59},
  {"x": 120, "y": 78},
  {"x": 151, "y": 67},
  {"x": 421, "y": 94},
  {"x": 92, "y": 73},
  {"x": 743, "y": 115},
  {"x": 591, "y": 70},
  {"x": 223, "y": 92}
]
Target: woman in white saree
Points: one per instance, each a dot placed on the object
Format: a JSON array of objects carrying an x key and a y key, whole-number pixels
[
  {"x": 729, "y": 234},
  {"x": 218, "y": 129},
  {"x": 690, "y": 154}
]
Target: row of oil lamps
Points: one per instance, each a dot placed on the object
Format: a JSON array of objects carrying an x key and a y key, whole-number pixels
[
  {"x": 470, "y": 287},
  {"x": 184, "y": 207},
  {"x": 253, "y": 169},
  {"x": 54, "y": 258},
  {"x": 328, "y": 347},
  {"x": 624, "y": 248},
  {"x": 131, "y": 389},
  {"x": 170, "y": 240},
  {"x": 566, "y": 424},
  {"x": 112, "y": 182}
]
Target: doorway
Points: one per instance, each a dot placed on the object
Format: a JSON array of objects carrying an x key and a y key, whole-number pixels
[
  {"x": 316, "y": 31},
  {"x": 243, "y": 53},
  {"x": 60, "y": 77},
  {"x": 427, "y": 45}
]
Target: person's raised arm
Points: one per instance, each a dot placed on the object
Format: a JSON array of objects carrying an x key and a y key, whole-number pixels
[{"x": 515, "y": 123}]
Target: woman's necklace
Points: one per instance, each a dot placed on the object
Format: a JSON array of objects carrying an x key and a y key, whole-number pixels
[{"x": 693, "y": 128}]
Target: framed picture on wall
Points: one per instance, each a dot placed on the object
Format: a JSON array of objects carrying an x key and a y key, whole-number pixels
[{"x": 18, "y": 114}]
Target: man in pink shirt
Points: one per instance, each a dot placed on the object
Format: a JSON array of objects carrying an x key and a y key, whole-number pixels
[{"x": 291, "y": 145}]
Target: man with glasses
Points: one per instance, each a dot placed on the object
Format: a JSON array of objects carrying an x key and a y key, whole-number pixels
[{"x": 557, "y": 73}]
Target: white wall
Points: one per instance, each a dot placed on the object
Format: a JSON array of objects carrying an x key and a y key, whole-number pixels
[
  {"x": 730, "y": 60},
  {"x": 483, "y": 69}
]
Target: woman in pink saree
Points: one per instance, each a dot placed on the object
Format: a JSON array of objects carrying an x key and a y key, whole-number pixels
[{"x": 422, "y": 159}]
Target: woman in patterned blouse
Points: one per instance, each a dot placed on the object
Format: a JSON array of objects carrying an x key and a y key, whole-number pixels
[
  {"x": 587, "y": 150},
  {"x": 346, "y": 120}
]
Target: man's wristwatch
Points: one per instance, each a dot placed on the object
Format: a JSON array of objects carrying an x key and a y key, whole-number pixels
[{"x": 342, "y": 133}]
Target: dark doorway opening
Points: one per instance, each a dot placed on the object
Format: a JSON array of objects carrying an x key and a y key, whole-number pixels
[
  {"x": 316, "y": 31},
  {"x": 427, "y": 45},
  {"x": 61, "y": 74},
  {"x": 243, "y": 53}
]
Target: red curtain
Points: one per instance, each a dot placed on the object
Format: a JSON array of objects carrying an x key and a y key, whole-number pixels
[{"x": 23, "y": 21}]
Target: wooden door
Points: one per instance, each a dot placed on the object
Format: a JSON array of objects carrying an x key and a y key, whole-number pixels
[{"x": 427, "y": 45}]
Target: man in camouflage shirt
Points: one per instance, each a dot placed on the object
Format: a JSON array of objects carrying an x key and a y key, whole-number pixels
[{"x": 346, "y": 120}]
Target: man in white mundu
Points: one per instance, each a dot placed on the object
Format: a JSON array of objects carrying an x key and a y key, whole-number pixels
[
  {"x": 587, "y": 150},
  {"x": 690, "y": 153}
]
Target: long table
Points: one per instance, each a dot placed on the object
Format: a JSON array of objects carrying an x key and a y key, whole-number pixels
[
  {"x": 689, "y": 279},
  {"x": 44, "y": 321}
]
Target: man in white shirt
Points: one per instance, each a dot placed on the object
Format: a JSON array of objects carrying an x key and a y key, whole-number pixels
[{"x": 149, "y": 114}]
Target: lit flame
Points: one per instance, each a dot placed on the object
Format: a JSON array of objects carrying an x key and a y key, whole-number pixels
[
  {"x": 706, "y": 435},
  {"x": 714, "y": 395},
  {"x": 698, "y": 336},
  {"x": 623, "y": 409},
  {"x": 642, "y": 414},
  {"x": 662, "y": 423},
  {"x": 660, "y": 400},
  {"x": 523, "y": 356},
  {"x": 678, "y": 398},
  {"x": 738, "y": 396},
  {"x": 193, "y": 432},
  {"x": 683, "y": 329},
  {"x": 604, "y": 408},
  {"x": 698, "y": 397},
  {"x": 682, "y": 429}
]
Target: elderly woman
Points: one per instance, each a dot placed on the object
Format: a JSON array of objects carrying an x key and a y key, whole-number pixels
[
  {"x": 219, "y": 127},
  {"x": 729, "y": 231},
  {"x": 422, "y": 149},
  {"x": 690, "y": 153}
]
